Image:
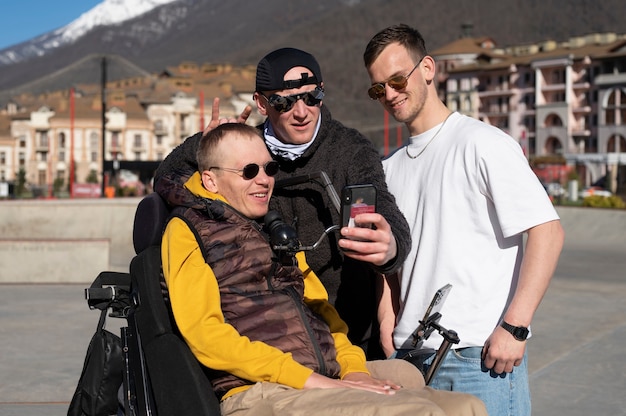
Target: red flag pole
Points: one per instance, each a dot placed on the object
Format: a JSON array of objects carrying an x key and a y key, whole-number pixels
[
  {"x": 398, "y": 137},
  {"x": 72, "y": 142},
  {"x": 201, "y": 110},
  {"x": 386, "y": 134}
]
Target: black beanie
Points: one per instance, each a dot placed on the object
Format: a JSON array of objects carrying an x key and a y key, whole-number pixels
[{"x": 272, "y": 69}]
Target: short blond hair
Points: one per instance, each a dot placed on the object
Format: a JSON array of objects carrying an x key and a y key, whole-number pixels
[{"x": 209, "y": 153}]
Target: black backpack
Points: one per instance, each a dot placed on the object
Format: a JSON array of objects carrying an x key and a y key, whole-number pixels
[{"x": 103, "y": 370}]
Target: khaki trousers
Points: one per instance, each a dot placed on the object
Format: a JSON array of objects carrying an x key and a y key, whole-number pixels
[{"x": 414, "y": 399}]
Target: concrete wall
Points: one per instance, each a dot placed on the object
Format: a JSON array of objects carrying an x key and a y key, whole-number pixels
[
  {"x": 63, "y": 240},
  {"x": 594, "y": 227},
  {"x": 66, "y": 241}
]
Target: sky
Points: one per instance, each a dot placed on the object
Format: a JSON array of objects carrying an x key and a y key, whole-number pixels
[{"x": 22, "y": 20}]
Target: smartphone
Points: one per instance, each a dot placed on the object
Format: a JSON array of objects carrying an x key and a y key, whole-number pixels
[
  {"x": 435, "y": 307},
  {"x": 357, "y": 199},
  {"x": 437, "y": 301}
]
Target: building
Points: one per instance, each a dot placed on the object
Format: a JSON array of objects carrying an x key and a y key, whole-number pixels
[
  {"x": 56, "y": 138},
  {"x": 564, "y": 102}
]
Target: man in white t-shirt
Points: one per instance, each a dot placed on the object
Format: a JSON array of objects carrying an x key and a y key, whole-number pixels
[{"x": 469, "y": 196}]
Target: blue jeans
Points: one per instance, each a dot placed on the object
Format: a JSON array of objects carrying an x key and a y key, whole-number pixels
[{"x": 503, "y": 394}]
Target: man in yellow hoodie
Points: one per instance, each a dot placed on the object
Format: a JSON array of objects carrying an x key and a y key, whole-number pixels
[{"x": 264, "y": 326}]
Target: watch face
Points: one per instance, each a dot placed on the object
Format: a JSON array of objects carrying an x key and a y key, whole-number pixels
[{"x": 520, "y": 333}]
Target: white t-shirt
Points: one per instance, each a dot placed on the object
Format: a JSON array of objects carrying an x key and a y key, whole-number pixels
[{"x": 468, "y": 199}]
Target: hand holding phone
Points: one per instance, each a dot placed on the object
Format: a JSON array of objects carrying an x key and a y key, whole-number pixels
[
  {"x": 355, "y": 200},
  {"x": 361, "y": 199}
]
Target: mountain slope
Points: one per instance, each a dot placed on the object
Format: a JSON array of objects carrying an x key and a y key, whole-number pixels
[{"x": 336, "y": 32}]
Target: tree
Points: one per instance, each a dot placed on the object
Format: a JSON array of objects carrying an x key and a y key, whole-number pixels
[
  {"x": 92, "y": 177},
  {"x": 20, "y": 186}
]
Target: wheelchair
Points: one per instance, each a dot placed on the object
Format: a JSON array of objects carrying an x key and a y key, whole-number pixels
[{"x": 161, "y": 376}]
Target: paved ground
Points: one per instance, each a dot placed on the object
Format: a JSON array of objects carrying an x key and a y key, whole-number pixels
[{"x": 577, "y": 367}]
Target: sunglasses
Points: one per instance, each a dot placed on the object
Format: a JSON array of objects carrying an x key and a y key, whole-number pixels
[
  {"x": 284, "y": 103},
  {"x": 398, "y": 83},
  {"x": 251, "y": 170}
]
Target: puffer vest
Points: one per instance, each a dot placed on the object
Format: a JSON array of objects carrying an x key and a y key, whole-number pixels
[{"x": 261, "y": 298}]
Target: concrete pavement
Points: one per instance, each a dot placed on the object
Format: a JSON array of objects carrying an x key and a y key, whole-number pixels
[{"x": 576, "y": 364}]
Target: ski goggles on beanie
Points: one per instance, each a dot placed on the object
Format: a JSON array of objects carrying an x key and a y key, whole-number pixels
[{"x": 284, "y": 103}]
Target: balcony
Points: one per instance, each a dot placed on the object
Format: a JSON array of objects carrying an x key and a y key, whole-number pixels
[
  {"x": 556, "y": 131},
  {"x": 585, "y": 109},
  {"x": 581, "y": 86},
  {"x": 580, "y": 132},
  {"x": 553, "y": 87},
  {"x": 160, "y": 130},
  {"x": 497, "y": 92},
  {"x": 42, "y": 147}
]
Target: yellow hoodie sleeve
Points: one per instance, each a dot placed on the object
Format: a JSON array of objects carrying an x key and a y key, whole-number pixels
[
  {"x": 195, "y": 300},
  {"x": 351, "y": 358}
]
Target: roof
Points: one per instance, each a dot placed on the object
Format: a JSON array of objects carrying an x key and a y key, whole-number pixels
[{"x": 593, "y": 51}]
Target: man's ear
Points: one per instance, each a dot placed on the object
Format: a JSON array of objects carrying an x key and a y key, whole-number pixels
[
  {"x": 209, "y": 181},
  {"x": 261, "y": 103},
  {"x": 428, "y": 63}
]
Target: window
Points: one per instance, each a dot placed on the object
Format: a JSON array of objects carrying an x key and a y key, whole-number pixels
[
  {"x": 138, "y": 140},
  {"x": 454, "y": 104},
  {"x": 558, "y": 76},
  {"x": 41, "y": 175},
  {"x": 62, "y": 140},
  {"x": 616, "y": 108},
  {"x": 115, "y": 140},
  {"x": 529, "y": 100},
  {"x": 528, "y": 78},
  {"x": 43, "y": 139},
  {"x": 94, "y": 141},
  {"x": 22, "y": 159},
  {"x": 3, "y": 158}
]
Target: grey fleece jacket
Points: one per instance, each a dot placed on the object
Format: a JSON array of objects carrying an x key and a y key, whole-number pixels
[{"x": 348, "y": 158}]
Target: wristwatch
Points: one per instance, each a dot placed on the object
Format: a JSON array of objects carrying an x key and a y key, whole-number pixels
[{"x": 520, "y": 333}]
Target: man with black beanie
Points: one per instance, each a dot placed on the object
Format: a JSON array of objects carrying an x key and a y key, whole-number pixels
[{"x": 302, "y": 136}]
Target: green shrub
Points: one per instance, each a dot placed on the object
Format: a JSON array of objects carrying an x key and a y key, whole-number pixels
[
  {"x": 92, "y": 177},
  {"x": 57, "y": 185},
  {"x": 597, "y": 201},
  {"x": 20, "y": 186}
]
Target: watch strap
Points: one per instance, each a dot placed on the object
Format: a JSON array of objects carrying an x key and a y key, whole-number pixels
[{"x": 520, "y": 333}]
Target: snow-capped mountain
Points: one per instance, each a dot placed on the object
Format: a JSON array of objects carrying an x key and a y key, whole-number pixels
[{"x": 107, "y": 13}]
